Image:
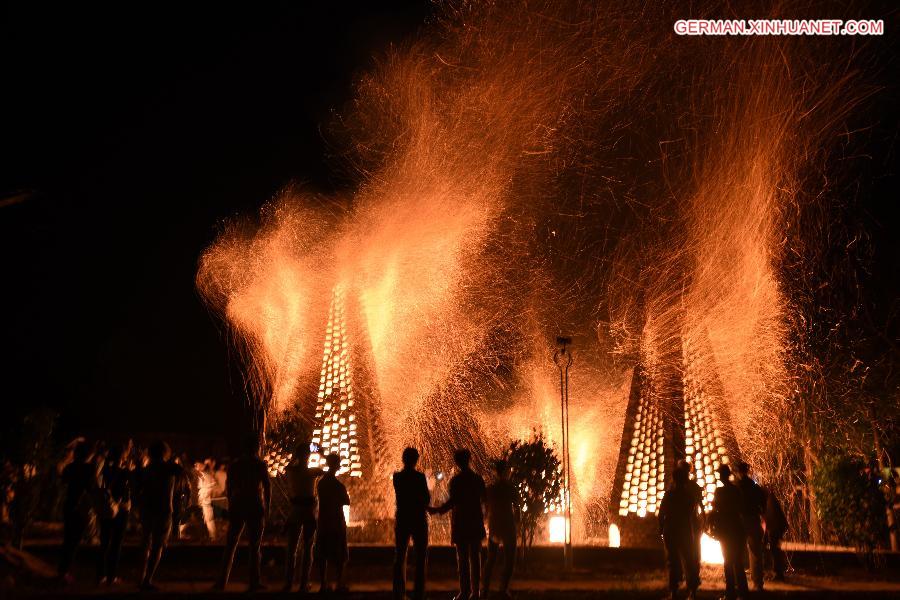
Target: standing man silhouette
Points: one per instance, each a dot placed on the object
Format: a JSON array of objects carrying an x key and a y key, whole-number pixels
[
  {"x": 117, "y": 481},
  {"x": 331, "y": 533},
  {"x": 302, "y": 520},
  {"x": 776, "y": 527},
  {"x": 413, "y": 498},
  {"x": 727, "y": 523},
  {"x": 678, "y": 525},
  {"x": 80, "y": 477},
  {"x": 467, "y": 494},
  {"x": 754, "y": 507},
  {"x": 157, "y": 485},
  {"x": 501, "y": 500},
  {"x": 249, "y": 497}
]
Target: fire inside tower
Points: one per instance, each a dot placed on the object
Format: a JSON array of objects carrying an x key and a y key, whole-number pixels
[{"x": 675, "y": 411}]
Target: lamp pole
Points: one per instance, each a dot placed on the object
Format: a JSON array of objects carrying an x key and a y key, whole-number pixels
[{"x": 563, "y": 359}]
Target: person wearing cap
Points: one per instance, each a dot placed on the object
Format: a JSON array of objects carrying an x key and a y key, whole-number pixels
[{"x": 727, "y": 526}]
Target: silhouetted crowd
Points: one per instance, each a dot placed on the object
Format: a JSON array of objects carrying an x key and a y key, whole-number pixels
[
  {"x": 107, "y": 489},
  {"x": 742, "y": 518},
  {"x": 111, "y": 487}
]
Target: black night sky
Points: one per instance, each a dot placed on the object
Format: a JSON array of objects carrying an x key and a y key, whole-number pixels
[
  {"x": 132, "y": 130},
  {"x": 137, "y": 128}
]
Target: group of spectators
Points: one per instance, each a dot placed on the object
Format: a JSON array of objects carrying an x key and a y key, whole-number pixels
[
  {"x": 743, "y": 518},
  {"x": 113, "y": 487},
  {"x": 317, "y": 524},
  {"x": 110, "y": 490}
]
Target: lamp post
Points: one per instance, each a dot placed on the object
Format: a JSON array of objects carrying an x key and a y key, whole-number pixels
[{"x": 563, "y": 359}]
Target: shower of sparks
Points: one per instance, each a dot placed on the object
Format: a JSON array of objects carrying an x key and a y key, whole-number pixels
[{"x": 529, "y": 169}]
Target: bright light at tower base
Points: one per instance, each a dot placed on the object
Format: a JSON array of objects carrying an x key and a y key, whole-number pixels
[
  {"x": 557, "y": 529},
  {"x": 615, "y": 537},
  {"x": 710, "y": 551}
]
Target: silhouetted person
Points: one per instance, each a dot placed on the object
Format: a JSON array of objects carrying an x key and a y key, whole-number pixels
[
  {"x": 181, "y": 499},
  {"x": 467, "y": 494},
  {"x": 501, "y": 500},
  {"x": 728, "y": 527},
  {"x": 679, "y": 527},
  {"x": 249, "y": 496},
  {"x": 413, "y": 498},
  {"x": 80, "y": 477},
  {"x": 301, "y": 523},
  {"x": 754, "y": 507},
  {"x": 157, "y": 489},
  {"x": 776, "y": 527},
  {"x": 331, "y": 531},
  {"x": 116, "y": 481}
]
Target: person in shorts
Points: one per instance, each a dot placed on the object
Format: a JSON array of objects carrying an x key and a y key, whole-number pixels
[
  {"x": 301, "y": 524},
  {"x": 331, "y": 531}
]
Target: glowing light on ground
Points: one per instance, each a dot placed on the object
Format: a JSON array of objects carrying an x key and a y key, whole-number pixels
[
  {"x": 556, "y": 529},
  {"x": 710, "y": 551},
  {"x": 615, "y": 539}
]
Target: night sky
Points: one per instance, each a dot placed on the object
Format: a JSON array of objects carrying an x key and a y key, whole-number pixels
[
  {"x": 132, "y": 130},
  {"x": 139, "y": 127}
]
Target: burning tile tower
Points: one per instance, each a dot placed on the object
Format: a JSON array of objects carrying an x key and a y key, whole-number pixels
[
  {"x": 675, "y": 411},
  {"x": 346, "y": 416}
]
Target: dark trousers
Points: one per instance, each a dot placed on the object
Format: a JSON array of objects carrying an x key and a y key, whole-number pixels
[
  {"x": 254, "y": 524},
  {"x": 155, "y": 531},
  {"x": 755, "y": 546},
  {"x": 468, "y": 561},
  {"x": 735, "y": 578},
  {"x": 419, "y": 535},
  {"x": 300, "y": 529},
  {"x": 74, "y": 526},
  {"x": 779, "y": 560},
  {"x": 682, "y": 560},
  {"x": 508, "y": 540},
  {"x": 112, "y": 533}
]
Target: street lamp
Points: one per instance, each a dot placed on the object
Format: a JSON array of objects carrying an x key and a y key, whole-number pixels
[{"x": 563, "y": 359}]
